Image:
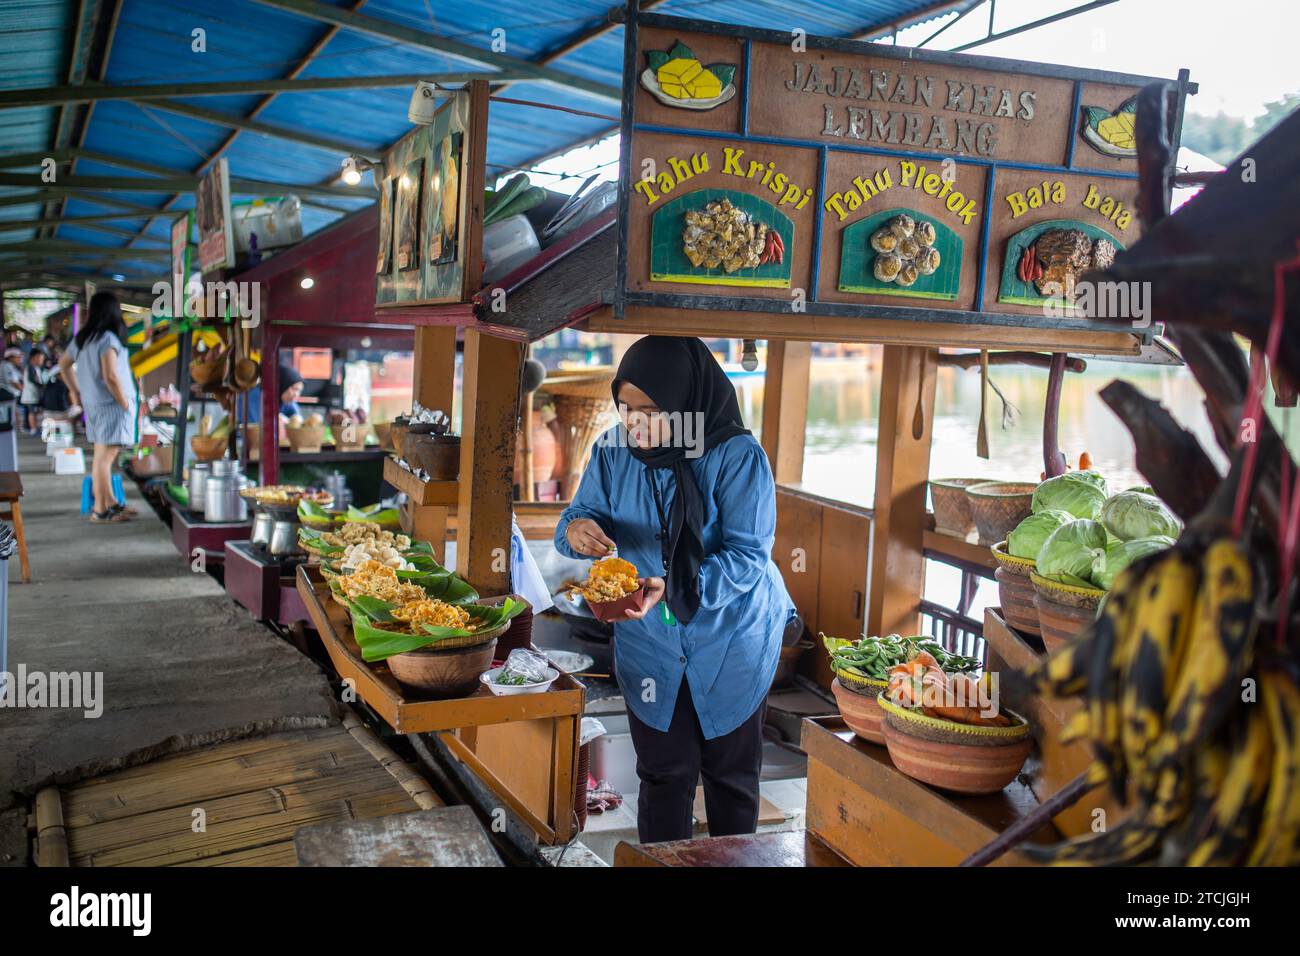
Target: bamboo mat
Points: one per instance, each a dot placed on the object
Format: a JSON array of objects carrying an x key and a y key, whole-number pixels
[{"x": 254, "y": 795}]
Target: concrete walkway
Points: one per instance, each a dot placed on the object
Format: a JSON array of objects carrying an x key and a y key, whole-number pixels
[{"x": 182, "y": 665}]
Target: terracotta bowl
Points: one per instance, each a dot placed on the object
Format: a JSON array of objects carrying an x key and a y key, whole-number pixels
[
  {"x": 859, "y": 709},
  {"x": 437, "y": 455},
  {"x": 1015, "y": 590},
  {"x": 952, "y": 505},
  {"x": 305, "y": 438},
  {"x": 953, "y": 756},
  {"x": 208, "y": 449},
  {"x": 1064, "y": 611},
  {"x": 451, "y": 672},
  {"x": 397, "y": 436},
  {"x": 998, "y": 506},
  {"x": 383, "y": 434}
]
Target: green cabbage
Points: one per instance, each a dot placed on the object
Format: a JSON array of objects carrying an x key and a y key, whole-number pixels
[
  {"x": 1093, "y": 477},
  {"x": 1145, "y": 489},
  {"x": 1132, "y": 514},
  {"x": 1077, "y": 549},
  {"x": 1077, "y": 492},
  {"x": 1028, "y": 537},
  {"x": 1123, "y": 553}
]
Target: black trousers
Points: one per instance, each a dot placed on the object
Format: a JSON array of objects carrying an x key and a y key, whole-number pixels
[{"x": 670, "y": 764}]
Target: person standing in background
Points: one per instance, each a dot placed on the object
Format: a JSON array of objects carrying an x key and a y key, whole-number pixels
[
  {"x": 35, "y": 377},
  {"x": 102, "y": 385}
]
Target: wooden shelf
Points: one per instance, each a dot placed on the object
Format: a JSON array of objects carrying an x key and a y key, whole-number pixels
[
  {"x": 330, "y": 456},
  {"x": 1058, "y": 763},
  {"x": 975, "y": 556},
  {"x": 380, "y": 690},
  {"x": 872, "y": 814},
  {"x": 441, "y": 493}
]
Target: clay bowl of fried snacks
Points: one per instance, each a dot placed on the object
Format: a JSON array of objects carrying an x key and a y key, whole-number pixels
[{"x": 612, "y": 589}]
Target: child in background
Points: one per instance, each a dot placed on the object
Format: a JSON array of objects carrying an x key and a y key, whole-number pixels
[{"x": 35, "y": 377}]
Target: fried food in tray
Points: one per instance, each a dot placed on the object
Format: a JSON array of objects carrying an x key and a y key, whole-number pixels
[
  {"x": 286, "y": 495},
  {"x": 370, "y": 534},
  {"x": 608, "y": 580},
  {"x": 376, "y": 580}
]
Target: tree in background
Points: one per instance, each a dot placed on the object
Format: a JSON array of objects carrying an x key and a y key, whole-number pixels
[{"x": 1223, "y": 138}]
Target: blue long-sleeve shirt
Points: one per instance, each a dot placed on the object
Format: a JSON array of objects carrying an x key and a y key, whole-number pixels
[{"x": 729, "y": 650}]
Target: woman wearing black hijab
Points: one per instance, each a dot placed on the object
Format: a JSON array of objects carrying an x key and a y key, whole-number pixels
[{"x": 684, "y": 491}]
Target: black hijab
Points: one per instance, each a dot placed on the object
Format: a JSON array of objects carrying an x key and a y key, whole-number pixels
[{"x": 680, "y": 375}]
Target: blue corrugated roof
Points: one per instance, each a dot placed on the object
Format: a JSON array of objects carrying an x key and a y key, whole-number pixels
[{"x": 245, "y": 39}]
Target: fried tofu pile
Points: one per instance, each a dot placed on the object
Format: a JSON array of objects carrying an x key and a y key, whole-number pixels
[
  {"x": 610, "y": 579},
  {"x": 379, "y": 581},
  {"x": 368, "y": 534},
  {"x": 432, "y": 612}
]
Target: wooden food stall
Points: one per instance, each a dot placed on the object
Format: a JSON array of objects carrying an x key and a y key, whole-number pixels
[
  {"x": 841, "y": 191},
  {"x": 428, "y": 265}
]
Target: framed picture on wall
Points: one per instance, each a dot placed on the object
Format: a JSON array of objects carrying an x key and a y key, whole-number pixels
[
  {"x": 408, "y": 215},
  {"x": 385, "y": 256}
]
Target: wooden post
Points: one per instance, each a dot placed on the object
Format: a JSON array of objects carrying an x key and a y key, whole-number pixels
[
  {"x": 493, "y": 381},
  {"x": 908, "y": 376},
  {"x": 785, "y": 408},
  {"x": 435, "y": 387}
]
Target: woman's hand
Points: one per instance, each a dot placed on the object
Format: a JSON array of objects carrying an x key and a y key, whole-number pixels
[
  {"x": 654, "y": 592},
  {"x": 586, "y": 537}
]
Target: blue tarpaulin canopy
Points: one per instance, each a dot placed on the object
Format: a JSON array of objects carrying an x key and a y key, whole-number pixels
[{"x": 569, "y": 54}]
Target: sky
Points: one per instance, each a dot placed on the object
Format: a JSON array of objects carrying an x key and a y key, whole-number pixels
[{"x": 1243, "y": 53}]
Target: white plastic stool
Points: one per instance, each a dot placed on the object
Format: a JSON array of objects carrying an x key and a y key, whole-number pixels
[
  {"x": 56, "y": 444},
  {"x": 51, "y": 427},
  {"x": 70, "y": 461}
]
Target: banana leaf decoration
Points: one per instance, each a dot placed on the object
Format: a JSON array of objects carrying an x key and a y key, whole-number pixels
[
  {"x": 313, "y": 514},
  {"x": 385, "y": 517},
  {"x": 377, "y": 643}
]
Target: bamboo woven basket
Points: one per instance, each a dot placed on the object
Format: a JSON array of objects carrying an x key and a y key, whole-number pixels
[
  {"x": 952, "y": 505},
  {"x": 998, "y": 506}
]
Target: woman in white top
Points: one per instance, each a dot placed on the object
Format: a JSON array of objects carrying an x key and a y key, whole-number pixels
[{"x": 101, "y": 384}]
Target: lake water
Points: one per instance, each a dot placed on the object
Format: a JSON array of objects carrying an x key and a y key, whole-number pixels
[{"x": 840, "y": 450}]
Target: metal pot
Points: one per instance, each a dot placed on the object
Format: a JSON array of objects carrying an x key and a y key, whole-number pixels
[
  {"x": 284, "y": 538},
  {"x": 221, "y": 499},
  {"x": 196, "y": 483},
  {"x": 337, "y": 485},
  {"x": 224, "y": 466},
  {"x": 262, "y": 525}
]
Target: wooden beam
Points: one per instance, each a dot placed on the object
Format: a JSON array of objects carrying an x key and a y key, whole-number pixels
[
  {"x": 154, "y": 184},
  {"x": 98, "y": 92},
  {"x": 444, "y": 45},
  {"x": 265, "y": 129},
  {"x": 493, "y": 379},
  {"x": 785, "y": 408},
  {"x": 642, "y": 320},
  {"x": 908, "y": 376},
  {"x": 435, "y": 387}
]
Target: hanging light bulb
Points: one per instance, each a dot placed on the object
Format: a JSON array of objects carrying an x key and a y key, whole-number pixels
[
  {"x": 307, "y": 282},
  {"x": 351, "y": 171},
  {"x": 749, "y": 355}
]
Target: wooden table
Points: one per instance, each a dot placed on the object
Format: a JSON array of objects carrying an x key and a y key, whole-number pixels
[
  {"x": 523, "y": 747},
  {"x": 870, "y": 813}
]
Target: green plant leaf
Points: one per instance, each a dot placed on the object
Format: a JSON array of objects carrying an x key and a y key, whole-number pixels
[
  {"x": 680, "y": 51},
  {"x": 656, "y": 59},
  {"x": 1094, "y": 115},
  {"x": 725, "y": 72},
  {"x": 377, "y": 643}
]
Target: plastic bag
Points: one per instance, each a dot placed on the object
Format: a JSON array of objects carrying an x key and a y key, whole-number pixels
[{"x": 523, "y": 667}]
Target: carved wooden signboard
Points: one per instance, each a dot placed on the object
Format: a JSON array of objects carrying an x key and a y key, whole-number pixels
[
  {"x": 771, "y": 173},
  {"x": 430, "y": 206}
]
